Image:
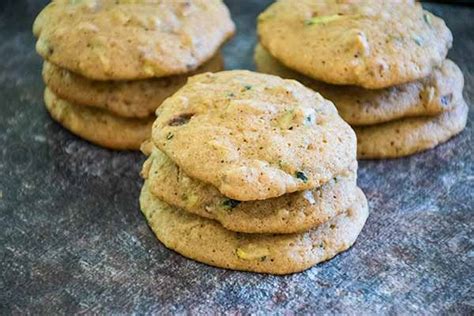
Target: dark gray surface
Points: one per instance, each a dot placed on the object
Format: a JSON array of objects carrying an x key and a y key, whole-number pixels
[{"x": 72, "y": 238}]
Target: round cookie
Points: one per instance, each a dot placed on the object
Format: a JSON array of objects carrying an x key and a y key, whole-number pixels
[
  {"x": 373, "y": 44},
  {"x": 405, "y": 137},
  {"x": 206, "y": 241},
  {"x": 98, "y": 126},
  {"x": 136, "y": 98},
  {"x": 253, "y": 136},
  {"x": 429, "y": 96},
  {"x": 290, "y": 213},
  {"x": 129, "y": 40}
]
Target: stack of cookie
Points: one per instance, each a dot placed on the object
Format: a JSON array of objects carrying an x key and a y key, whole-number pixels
[
  {"x": 252, "y": 172},
  {"x": 110, "y": 64},
  {"x": 383, "y": 64}
]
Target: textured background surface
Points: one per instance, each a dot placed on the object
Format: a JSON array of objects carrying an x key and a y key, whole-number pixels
[{"x": 72, "y": 238}]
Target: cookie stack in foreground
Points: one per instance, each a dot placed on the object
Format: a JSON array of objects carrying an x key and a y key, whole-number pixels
[
  {"x": 252, "y": 172},
  {"x": 382, "y": 63},
  {"x": 110, "y": 64}
]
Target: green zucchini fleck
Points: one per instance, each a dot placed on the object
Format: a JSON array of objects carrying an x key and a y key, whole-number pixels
[
  {"x": 285, "y": 121},
  {"x": 252, "y": 252},
  {"x": 418, "y": 40},
  {"x": 310, "y": 119},
  {"x": 395, "y": 38},
  {"x": 302, "y": 176},
  {"x": 427, "y": 19},
  {"x": 323, "y": 19},
  {"x": 230, "y": 204},
  {"x": 446, "y": 99}
]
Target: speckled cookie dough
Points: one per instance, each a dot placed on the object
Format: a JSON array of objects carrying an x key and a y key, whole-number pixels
[
  {"x": 429, "y": 96},
  {"x": 253, "y": 136},
  {"x": 98, "y": 126},
  {"x": 409, "y": 136},
  {"x": 374, "y": 44},
  {"x": 136, "y": 98},
  {"x": 129, "y": 40},
  {"x": 206, "y": 241},
  {"x": 290, "y": 213}
]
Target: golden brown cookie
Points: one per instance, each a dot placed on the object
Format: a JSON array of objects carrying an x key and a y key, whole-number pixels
[
  {"x": 253, "y": 136},
  {"x": 289, "y": 213},
  {"x": 206, "y": 241},
  {"x": 408, "y": 136},
  {"x": 129, "y": 40},
  {"x": 429, "y": 96},
  {"x": 135, "y": 98},
  {"x": 373, "y": 44},
  {"x": 98, "y": 126}
]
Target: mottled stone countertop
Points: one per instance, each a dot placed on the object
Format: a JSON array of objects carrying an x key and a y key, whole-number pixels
[{"x": 72, "y": 239}]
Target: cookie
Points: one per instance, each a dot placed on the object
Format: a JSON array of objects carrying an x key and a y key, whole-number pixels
[
  {"x": 136, "y": 98},
  {"x": 253, "y": 136},
  {"x": 129, "y": 40},
  {"x": 429, "y": 96},
  {"x": 206, "y": 241},
  {"x": 290, "y": 213},
  {"x": 373, "y": 44},
  {"x": 98, "y": 126},
  {"x": 405, "y": 137}
]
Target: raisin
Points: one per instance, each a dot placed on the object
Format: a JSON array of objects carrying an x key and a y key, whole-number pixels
[{"x": 180, "y": 119}]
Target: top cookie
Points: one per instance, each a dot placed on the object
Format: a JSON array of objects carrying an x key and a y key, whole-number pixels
[
  {"x": 373, "y": 44},
  {"x": 253, "y": 136},
  {"x": 128, "y": 40}
]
